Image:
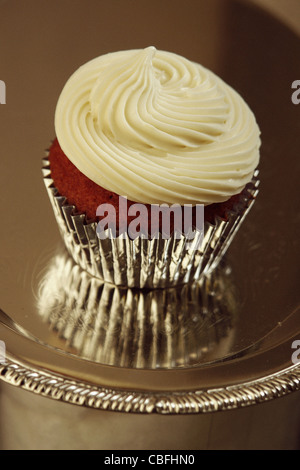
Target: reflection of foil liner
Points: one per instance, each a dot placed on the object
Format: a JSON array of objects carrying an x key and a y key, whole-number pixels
[
  {"x": 146, "y": 263},
  {"x": 138, "y": 328}
]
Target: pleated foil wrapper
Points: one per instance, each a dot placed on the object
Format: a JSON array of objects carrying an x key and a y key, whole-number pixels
[
  {"x": 138, "y": 328},
  {"x": 146, "y": 263}
]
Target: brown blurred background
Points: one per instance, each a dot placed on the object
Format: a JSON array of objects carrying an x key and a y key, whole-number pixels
[{"x": 287, "y": 10}]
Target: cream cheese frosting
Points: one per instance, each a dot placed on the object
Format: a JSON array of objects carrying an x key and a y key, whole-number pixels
[{"x": 157, "y": 128}]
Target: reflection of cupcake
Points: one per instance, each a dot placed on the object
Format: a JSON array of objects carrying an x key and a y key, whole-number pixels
[
  {"x": 140, "y": 328},
  {"x": 157, "y": 129}
]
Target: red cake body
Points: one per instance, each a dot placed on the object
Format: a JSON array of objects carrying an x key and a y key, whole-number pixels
[{"x": 86, "y": 195}]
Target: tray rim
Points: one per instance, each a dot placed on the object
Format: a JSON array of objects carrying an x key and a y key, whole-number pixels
[{"x": 72, "y": 391}]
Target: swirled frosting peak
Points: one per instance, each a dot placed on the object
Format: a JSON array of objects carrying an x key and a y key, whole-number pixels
[{"x": 157, "y": 128}]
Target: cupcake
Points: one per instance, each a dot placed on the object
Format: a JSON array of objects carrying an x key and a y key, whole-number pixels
[{"x": 153, "y": 168}]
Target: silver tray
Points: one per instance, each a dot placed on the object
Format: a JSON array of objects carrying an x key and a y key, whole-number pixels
[{"x": 221, "y": 344}]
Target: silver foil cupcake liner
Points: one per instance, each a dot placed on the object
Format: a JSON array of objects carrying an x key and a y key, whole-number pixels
[
  {"x": 146, "y": 263},
  {"x": 138, "y": 328}
]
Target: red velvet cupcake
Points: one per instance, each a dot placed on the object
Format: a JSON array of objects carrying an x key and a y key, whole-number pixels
[{"x": 162, "y": 134}]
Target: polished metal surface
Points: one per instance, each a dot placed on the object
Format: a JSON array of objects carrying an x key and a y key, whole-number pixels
[{"x": 223, "y": 343}]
